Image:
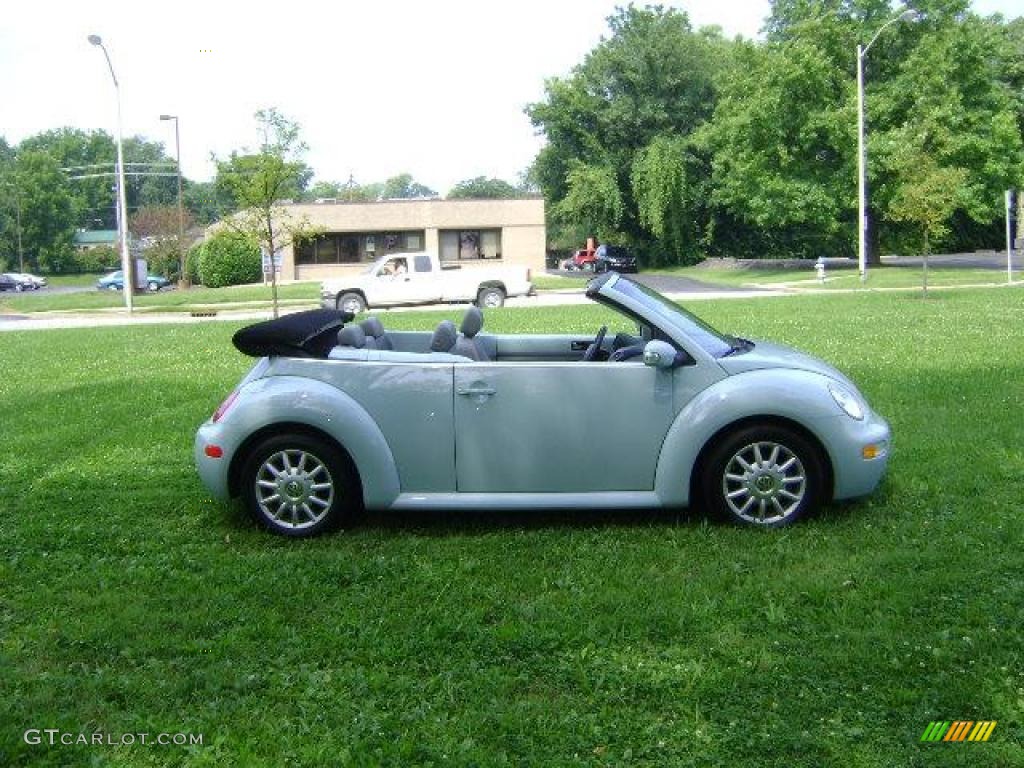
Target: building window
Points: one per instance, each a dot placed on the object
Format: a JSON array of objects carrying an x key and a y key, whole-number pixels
[
  {"x": 356, "y": 247},
  {"x": 469, "y": 244}
]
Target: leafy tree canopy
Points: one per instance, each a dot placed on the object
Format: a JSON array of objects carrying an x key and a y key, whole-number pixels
[{"x": 481, "y": 187}]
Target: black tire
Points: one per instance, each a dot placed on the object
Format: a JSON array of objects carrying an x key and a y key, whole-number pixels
[
  {"x": 351, "y": 302},
  {"x": 782, "y": 479},
  {"x": 153, "y": 286},
  {"x": 316, "y": 488},
  {"x": 490, "y": 297}
]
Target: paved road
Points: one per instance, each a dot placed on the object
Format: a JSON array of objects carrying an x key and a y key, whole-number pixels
[
  {"x": 663, "y": 283},
  {"x": 981, "y": 260}
]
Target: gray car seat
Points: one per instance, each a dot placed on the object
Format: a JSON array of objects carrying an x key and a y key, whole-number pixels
[
  {"x": 376, "y": 336},
  {"x": 467, "y": 344},
  {"x": 352, "y": 336},
  {"x": 444, "y": 337}
]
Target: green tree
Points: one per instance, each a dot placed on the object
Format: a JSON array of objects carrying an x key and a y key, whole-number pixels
[
  {"x": 403, "y": 187},
  {"x": 652, "y": 79},
  {"x": 784, "y": 139},
  {"x": 482, "y": 188},
  {"x": 949, "y": 101},
  {"x": 47, "y": 212},
  {"x": 258, "y": 182},
  {"x": 926, "y": 197},
  {"x": 9, "y": 207},
  {"x": 781, "y": 140},
  {"x": 205, "y": 202}
]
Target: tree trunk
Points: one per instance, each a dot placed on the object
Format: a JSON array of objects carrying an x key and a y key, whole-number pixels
[
  {"x": 273, "y": 270},
  {"x": 925, "y": 274}
]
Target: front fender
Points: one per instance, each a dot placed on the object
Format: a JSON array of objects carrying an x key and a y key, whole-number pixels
[
  {"x": 294, "y": 400},
  {"x": 799, "y": 396}
]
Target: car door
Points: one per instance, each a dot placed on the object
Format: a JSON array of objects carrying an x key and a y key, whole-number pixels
[{"x": 559, "y": 427}]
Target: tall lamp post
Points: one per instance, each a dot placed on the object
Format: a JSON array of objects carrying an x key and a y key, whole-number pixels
[
  {"x": 183, "y": 279},
  {"x": 862, "y": 152},
  {"x": 122, "y": 206}
]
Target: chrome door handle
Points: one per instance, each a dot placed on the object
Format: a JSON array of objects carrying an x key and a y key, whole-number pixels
[{"x": 476, "y": 391}]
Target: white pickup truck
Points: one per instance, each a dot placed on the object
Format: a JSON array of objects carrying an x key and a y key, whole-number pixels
[{"x": 420, "y": 278}]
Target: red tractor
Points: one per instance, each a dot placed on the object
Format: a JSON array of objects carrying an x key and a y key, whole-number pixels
[{"x": 582, "y": 259}]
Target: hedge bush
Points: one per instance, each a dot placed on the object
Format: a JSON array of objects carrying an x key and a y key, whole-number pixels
[
  {"x": 227, "y": 258},
  {"x": 99, "y": 258}
]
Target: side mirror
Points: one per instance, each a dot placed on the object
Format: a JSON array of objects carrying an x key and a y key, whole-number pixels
[{"x": 659, "y": 354}]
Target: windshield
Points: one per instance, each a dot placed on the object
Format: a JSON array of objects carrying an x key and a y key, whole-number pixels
[{"x": 710, "y": 340}]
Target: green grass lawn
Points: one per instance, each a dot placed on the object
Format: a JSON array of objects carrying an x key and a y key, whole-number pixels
[
  {"x": 42, "y": 301},
  {"x": 883, "y": 277},
  {"x": 132, "y": 602},
  {"x": 558, "y": 282}
]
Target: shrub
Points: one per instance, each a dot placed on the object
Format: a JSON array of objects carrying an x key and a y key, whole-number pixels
[
  {"x": 227, "y": 258},
  {"x": 192, "y": 264},
  {"x": 162, "y": 259},
  {"x": 100, "y": 258}
]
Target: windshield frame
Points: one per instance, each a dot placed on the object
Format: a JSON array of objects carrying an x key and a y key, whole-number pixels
[{"x": 663, "y": 313}]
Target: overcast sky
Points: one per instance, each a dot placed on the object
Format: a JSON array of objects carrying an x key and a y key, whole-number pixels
[{"x": 379, "y": 87}]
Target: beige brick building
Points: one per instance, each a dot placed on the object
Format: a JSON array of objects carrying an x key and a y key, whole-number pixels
[{"x": 468, "y": 232}]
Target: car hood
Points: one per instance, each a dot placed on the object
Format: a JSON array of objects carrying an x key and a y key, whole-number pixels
[{"x": 766, "y": 354}]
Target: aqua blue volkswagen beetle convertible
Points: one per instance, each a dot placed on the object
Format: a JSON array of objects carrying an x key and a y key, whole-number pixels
[{"x": 663, "y": 412}]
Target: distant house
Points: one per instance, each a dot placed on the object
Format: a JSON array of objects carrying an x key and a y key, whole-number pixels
[{"x": 90, "y": 238}]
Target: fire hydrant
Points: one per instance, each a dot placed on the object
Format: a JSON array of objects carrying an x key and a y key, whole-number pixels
[{"x": 819, "y": 267}]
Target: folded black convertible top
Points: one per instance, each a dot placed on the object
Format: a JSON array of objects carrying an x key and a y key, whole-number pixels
[{"x": 302, "y": 334}]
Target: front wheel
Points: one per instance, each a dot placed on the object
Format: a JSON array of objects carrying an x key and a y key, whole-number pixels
[
  {"x": 351, "y": 302},
  {"x": 298, "y": 486},
  {"x": 765, "y": 476},
  {"x": 113, "y": 287},
  {"x": 490, "y": 298}
]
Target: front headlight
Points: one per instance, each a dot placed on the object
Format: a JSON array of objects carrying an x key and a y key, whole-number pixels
[{"x": 846, "y": 400}]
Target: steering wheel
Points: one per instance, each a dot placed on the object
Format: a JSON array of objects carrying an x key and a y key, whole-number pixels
[{"x": 591, "y": 354}]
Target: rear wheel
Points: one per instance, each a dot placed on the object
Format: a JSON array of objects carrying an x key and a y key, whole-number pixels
[
  {"x": 351, "y": 302},
  {"x": 490, "y": 297},
  {"x": 298, "y": 486},
  {"x": 766, "y": 476},
  {"x": 153, "y": 286}
]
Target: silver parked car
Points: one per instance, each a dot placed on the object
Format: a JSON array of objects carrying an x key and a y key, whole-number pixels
[{"x": 664, "y": 413}]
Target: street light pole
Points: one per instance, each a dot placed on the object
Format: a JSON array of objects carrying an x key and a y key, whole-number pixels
[
  {"x": 183, "y": 278},
  {"x": 122, "y": 205},
  {"x": 862, "y": 149}
]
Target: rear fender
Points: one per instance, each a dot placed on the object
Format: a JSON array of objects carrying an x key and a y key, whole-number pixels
[{"x": 293, "y": 400}]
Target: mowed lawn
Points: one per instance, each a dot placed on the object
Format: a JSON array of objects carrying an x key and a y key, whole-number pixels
[{"x": 130, "y": 602}]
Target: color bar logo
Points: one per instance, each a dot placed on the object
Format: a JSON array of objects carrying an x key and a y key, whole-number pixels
[{"x": 959, "y": 730}]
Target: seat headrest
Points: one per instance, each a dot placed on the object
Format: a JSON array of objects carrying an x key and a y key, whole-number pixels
[
  {"x": 372, "y": 326},
  {"x": 444, "y": 337},
  {"x": 472, "y": 322},
  {"x": 352, "y": 336}
]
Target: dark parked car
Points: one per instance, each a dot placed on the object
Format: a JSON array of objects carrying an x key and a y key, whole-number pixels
[
  {"x": 614, "y": 257},
  {"x": 14, "y": 283}
]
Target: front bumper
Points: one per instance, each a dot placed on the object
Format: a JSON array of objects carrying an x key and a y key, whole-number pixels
[{"x": 853, "y": 474}]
